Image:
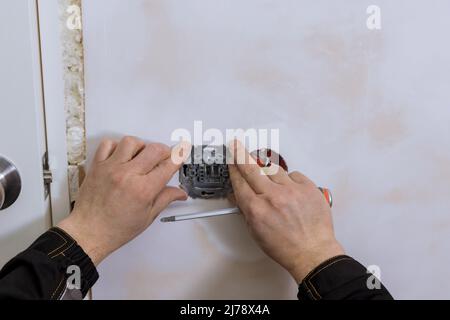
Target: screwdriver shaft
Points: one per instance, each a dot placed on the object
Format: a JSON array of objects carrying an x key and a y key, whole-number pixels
[
  {"x": 191, "y": 216},
  {"x": 228, "y": 211}
]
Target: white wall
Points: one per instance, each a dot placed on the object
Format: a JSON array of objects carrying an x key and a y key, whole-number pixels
[{"x": 362, "y": 112}]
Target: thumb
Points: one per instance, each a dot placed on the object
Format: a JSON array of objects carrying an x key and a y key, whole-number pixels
[{"x": 165, "y": 198}]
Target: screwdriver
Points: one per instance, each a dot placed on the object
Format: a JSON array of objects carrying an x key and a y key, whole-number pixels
[{"x": 229, "y": 211}]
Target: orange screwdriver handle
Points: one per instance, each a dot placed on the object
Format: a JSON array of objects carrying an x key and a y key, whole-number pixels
[{"x": 328, "y": 196}]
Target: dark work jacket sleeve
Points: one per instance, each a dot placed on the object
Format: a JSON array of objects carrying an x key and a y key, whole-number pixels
[
  {"x": 54, "y": 267},
  {"x": 341, "y": 278}
]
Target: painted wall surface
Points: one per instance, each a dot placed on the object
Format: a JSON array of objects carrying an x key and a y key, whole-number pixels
[{"x": 362, "y": 112}]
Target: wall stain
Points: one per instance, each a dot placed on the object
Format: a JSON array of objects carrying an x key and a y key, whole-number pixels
[
  {"x": 345, "y": 192},
  {"x": 264, "y": 77},
  {"x": 397, "y": 196},
  {"x": 387, "y": 128},
  {"x": 167, "y": 59},
  {"x": 348, "y": 60},
  {"x": 441, "y": 165},
  {"x": 413, "y": 194}
]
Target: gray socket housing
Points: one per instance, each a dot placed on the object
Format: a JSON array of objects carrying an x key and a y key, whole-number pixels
[{"x": 206, "y": 173}]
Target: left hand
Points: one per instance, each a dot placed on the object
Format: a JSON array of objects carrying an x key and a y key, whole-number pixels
[{"x": 124, "y": 191}]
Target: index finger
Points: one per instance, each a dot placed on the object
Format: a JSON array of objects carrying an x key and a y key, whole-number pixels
[
  {"x": 249, "y": 169},
  {"x": 242, "y": 191},
  {"x": 165, "y": 170},
  {"x": 105, "y": 150},
  {"x": 149, "y": 157}
]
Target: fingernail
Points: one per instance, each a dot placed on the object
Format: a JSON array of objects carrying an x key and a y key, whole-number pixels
[
  {"x": 181, "y": 152},
  {"x": 231, "y": 147},
  {"x": 184, "y": 198},
  {"x": 183, "y": 195}
]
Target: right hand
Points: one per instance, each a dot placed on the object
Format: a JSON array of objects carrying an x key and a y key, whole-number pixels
[{"x": 286, "y": 213}]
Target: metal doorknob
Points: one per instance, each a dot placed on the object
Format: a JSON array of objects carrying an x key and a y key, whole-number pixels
[{"x": 10, "y": 183}]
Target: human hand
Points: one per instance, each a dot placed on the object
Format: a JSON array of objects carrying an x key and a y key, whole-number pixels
[
  {"x": 286, "y": 214},
  {"x": 124, "y": 191}
]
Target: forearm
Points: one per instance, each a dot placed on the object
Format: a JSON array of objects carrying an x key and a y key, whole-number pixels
[
  {"x": 42, "y": 271},
  {"x": 340, "y": 278}
]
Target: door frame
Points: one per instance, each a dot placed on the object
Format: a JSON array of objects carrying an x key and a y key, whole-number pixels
[{"x": 52, "y": 68}]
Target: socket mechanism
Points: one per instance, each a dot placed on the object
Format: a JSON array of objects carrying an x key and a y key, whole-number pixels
[{"x": 206, "y": 175}]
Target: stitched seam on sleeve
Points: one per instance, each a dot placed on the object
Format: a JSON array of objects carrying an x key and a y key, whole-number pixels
[
  {"x": 59, "y": 285},
  {"x": 309, "y": 291},
  {"x": 325, "y": 262},
  {"x": 61, "y": 246},
  {"x": 62, "y": 252},
  {"x": 328, "y": 265},
  {"x": 314, "y": 288},
  {"x": 321, "y": 269},
  {"x": 61, "y": 294}
]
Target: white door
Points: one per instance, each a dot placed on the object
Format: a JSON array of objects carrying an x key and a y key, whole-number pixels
[{"x": 22, "y": 134}]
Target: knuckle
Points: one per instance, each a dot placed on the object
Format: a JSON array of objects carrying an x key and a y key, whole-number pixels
[
  {"x": 296, "y": 176},
  {"x": 129, "y": 140},
  {"x": 118, "y": 179},
  {"x": 159, "y": 149},
  {"x": 300, "y": 178},
  {"x": 105, "y": 141},
  {"x": 279, "y": 200},
  {"x": 251, "y": 170}
]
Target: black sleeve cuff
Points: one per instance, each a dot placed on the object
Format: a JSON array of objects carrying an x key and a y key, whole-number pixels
[
  {"x": 64, "y": 250},
  {"x": 340, "y": 278}
]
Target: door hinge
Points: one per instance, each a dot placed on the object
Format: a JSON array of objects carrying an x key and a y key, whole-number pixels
[{"x": 48, "y": 176}]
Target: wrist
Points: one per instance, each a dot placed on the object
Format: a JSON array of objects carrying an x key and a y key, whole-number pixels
[
  {"x": 308, "y": 260},
  {"x": 85, "y": 236}
]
